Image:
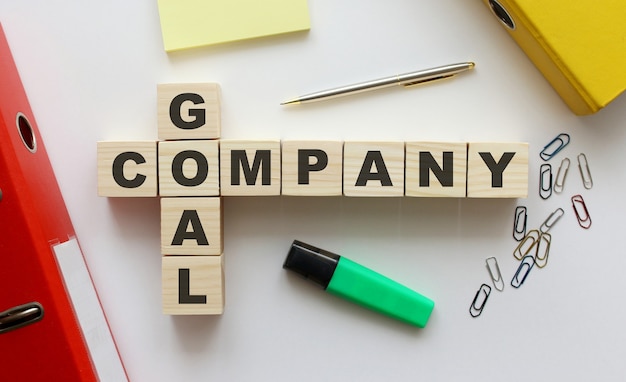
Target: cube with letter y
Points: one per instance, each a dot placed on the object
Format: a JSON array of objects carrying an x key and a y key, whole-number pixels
[{"x": 497, "y": 170}]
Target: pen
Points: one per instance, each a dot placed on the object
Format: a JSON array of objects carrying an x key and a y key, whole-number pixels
[{"x": 406, "y": 80}]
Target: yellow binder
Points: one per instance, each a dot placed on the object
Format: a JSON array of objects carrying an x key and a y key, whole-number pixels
[{"x": 579, "y": 46}]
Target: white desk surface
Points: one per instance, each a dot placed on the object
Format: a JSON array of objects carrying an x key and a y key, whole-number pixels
[{"x": 91, "y": 69}]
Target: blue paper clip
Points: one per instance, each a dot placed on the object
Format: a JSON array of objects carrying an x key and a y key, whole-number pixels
[
  {"x": 555, "y": 145},
  {"x": 522, "y": 271},
  {"x": 484, "y": 291}
]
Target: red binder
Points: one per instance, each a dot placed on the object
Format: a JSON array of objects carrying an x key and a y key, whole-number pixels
[{"x": 52, "y": 326}]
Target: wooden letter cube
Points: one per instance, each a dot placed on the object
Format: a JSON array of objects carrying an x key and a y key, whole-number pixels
[
  {"x": 192, "y": 285},
  {"x": 436, "y": 169},
  {"x": 189, "y": 168},
  {"x": 249, "y": 168},
  {"x": 191, "y": 226},
  {"x": 312, "y": 168},
  {"x": 373, "y": 168},
  {"x": 188, "y": 111},
  {"x": 497, "y": 170},
  {"x": 127, "y": 168}
]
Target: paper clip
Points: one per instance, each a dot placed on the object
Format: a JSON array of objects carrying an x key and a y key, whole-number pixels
[
  {"x": 545, "y": 181},
  {"x": 484, "y": 291},
  {"x": 584, "y": 171},
  {"x": 522, "y": 271},
  {"x": 519, "y": 223},
  {"x": 559, "y": 182},
  {"x": 494, "y": 272},
  {"x": 551, "y": 220},
  {"x": 555, "y": 145},
  {"x": 543, "y": 250},
  {"x": 580, "y": 209},
  {"x": 527, "y": 244}
]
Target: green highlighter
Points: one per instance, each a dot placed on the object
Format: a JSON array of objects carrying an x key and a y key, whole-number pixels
[{"x": 352, "y": 281}]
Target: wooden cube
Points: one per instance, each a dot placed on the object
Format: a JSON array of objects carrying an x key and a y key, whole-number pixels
[
  {"x": 249, "y": 168},
  {"x": 192, "y": 285},
  {"x": 497, "y": 170},
  {"x": 373, "y": 168},
  {"x": 189, "y": 168},
  {"x": 127, "y": 168},
  {"x": 436, "y": 169},
  {"x": 191, "y": 226},
  {"x": 188, "y": 111},
  {"x": 312, "y": 168}
]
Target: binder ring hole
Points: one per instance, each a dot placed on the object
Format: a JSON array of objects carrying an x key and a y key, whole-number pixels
[
  {"x": 502, "y": 14},
  {"x": 26, "y": 132}
]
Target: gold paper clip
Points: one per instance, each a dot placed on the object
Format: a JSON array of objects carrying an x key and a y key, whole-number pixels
[
  {"x": 561, "y": 174},
  {"x": 545, "y": 181},
  {"x": 580, "y": 209},
  {"x": 527, "y": 244},
  {"x": 555, "y": 145},
  {"x": 522, "y": 271},
  {"x": 519, "y": 223},
  {"x": 543, "y": 250},
  {"x": 551, "y": 220},
  {"x": 494, "y": 272},
  {"x": 481, "y": 297},
  {"x": 583, "y": 166}
]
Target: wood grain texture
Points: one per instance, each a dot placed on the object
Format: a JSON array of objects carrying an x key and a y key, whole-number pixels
[
  {"x": 432, "y": 186},
  {"x": 312, "y": 168},
  {"x": 250, "y": 168},
  {"x": 133, "y": 164},
  {"x": 189, "y": 111},
  {"x": 189, "y": 168},
  {"x": 192, "y": 285},
  {"x": 483, "y": 182},
  {"x": 373, "y": 168},
  {"x": 192, "y": 226}
]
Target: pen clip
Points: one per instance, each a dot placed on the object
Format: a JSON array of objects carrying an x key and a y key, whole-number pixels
[{"x": 410, "y": 84}]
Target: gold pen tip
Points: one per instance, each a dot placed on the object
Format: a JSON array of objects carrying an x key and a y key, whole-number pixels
[
  {"x": 292, "y": 102},
  {"x": 471, "y": 65}
]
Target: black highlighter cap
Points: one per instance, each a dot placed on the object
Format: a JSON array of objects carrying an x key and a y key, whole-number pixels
[{"x": 311, "y": 262}]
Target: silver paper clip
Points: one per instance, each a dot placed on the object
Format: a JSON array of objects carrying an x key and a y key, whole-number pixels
[
  {"x": 583, "y": 166},
  {"x": 545, "y": 181},
  {"x": 543, "y": 250},
  {"x": 522, "y": 271},
  {"x": 481, "y": 297},
  {"x": 555, "y": 145},
  {"x": 519, "y": 223},
  {"x": 494, "y": 272},
  {"x": 561, "y": 174},
  {"x": 527, "y": 244},
  {"x": 580, "y": 209},
  {"x": 551, "y": 220}
]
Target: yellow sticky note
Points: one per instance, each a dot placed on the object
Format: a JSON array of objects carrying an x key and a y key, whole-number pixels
[{"x": 195, "y": 23}]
